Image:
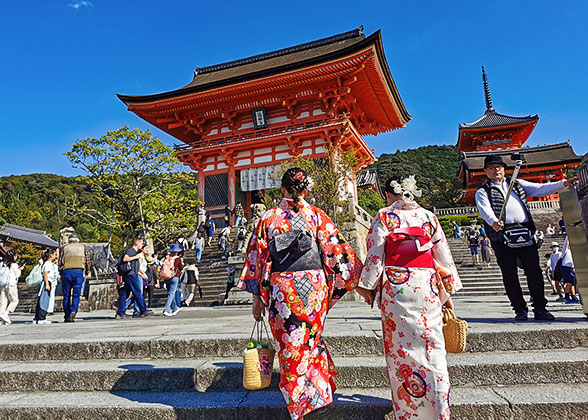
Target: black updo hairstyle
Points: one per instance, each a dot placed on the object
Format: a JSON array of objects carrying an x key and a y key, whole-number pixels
[
  {"x": 295, "y": 181},
  {"x": 47, "y": 253},
  {"x": 389, "y": 188}
]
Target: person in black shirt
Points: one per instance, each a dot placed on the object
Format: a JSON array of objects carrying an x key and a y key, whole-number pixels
[
  {"x": 474, "y": 242},
  {"x": 132, "y": 282}
]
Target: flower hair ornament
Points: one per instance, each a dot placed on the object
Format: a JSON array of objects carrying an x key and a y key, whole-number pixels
[
  {"x": 407, "y": 188},
  {"x": 304, "y": 182}
]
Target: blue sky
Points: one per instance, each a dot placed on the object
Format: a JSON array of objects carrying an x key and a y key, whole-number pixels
[{"x": 63, "y": 61}]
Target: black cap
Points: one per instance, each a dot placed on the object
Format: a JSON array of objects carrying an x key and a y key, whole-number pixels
[{"x": 493, "y": 159}]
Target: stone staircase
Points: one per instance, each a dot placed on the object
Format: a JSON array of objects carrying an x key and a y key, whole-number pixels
[
  {"x": 213, "y": 276},
  {"x": 102, "y": 370},
  {"x": 487, "y": 281}
]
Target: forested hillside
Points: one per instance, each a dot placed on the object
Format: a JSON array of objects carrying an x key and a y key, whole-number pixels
[
  {"x": 435, "y": 169},
  {"x": 39, "y": 201}
]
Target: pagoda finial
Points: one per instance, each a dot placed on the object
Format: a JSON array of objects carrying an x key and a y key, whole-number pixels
[{"x": 487, "y": 91}]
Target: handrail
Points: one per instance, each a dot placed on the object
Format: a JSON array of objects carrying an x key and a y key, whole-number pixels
[
  {"x": 363, "y": 216},
  {"x": 460, "y": 211}
]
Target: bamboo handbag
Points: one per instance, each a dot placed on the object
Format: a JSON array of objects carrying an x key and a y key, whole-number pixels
[
  {"x": 455, "y": 331},
  {"x": 258, "y": 359}
]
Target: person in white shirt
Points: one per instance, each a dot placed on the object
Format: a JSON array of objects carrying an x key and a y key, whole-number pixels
[
  {"x": 9, "y": 292},
  {"x": 568, "y": 274},
  {"x": 199, "y": 246},
  {"x": 553, "y": 259},
  {"x": 512, "y": 238},
  {"x": 189, "y": 277},
  {"x": 550, "y": 230}
]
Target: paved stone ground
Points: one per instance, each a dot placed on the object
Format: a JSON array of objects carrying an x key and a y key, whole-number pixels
[
  {"x": 484, "y": 315},
  {"x": 512, "y": 370}
]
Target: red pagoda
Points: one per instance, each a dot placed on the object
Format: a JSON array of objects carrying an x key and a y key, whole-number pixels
[
  {"x": 241, "y": 119},
  {"x": 504, "y": 135}
]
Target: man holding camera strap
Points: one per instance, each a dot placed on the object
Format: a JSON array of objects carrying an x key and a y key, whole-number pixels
[{"x": 512, "y": 238}]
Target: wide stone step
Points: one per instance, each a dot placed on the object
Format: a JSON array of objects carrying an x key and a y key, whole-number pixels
[
  {"x": 533, "y": 402},
  {"x": 521, "y": 336},
  {"x": 175, "y": 375}
]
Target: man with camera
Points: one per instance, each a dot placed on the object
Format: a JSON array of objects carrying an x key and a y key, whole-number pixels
[{"x": 512, "y": 235}]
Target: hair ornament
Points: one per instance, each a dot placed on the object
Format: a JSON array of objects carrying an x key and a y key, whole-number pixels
[{"x": 407, "y": 188}]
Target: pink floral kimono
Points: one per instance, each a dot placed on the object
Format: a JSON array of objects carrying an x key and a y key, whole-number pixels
[
  {"x": 409, "y": 262},
  {"x": 299, "y": 300}
]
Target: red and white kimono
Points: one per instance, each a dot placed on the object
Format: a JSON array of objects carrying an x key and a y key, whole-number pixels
[
  {"x": 409, "y": 262},
  {"x": 299, "y": 300}
]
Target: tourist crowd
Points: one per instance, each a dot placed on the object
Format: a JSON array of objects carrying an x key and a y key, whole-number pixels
[{"x": 298, "y": 265}]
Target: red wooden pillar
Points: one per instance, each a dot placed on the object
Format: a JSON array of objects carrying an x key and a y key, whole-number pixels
[
  {"x": 231, "y": 187},
  {"x": 201, "y": 185}
]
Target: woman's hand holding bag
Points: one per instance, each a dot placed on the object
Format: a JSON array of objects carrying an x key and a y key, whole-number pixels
[{"x": 258, "y": 359}]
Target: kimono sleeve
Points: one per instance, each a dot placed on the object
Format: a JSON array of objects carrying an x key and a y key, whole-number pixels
[
  {"x": 339, "y": 260},
  {"x": 256, "y": 264},
  {"x": 444, "y": 264},
  {"x": 376, "y": 246}
]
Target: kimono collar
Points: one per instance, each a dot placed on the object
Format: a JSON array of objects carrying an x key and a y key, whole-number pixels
[
  {"x": 288, "y": 203},
  {"x": 405, "y": 205}
]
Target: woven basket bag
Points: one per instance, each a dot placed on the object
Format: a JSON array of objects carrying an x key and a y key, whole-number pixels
[
  {"x": 455, "y": 331},
  {"x": 258, "y": 363}
]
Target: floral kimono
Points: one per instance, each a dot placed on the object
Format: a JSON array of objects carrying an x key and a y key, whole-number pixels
[
  {"x": 299, "y": 300},
  {"x": 409, "y": 262}
]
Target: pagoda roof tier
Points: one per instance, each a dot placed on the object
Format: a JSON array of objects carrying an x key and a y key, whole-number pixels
[
  {"x": 492, "y": 119},
  {"x": 493, "y": 130},
  {"x": 551, "y": 155},
  {"x": 349, "y": 68}
]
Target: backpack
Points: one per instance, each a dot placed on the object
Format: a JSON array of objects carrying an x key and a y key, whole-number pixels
[
  {"x": 207, "y": 224},
  {"x": 167, "y": 269},
  {"x": 35, "y": 277},
  {"x": 557, "y": 273},
  {"x": 123, "y": 268},
  {"x": 4, "y": 274}
]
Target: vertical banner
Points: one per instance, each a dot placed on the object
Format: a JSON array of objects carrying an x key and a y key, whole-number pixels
[{"x": 245, "y": 180}]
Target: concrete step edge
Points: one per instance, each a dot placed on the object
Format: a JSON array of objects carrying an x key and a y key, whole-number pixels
[
  {"x": 488, "y": 369},
  {"x": 365, "y": 343},
  {"x": 532, "y": 402}
]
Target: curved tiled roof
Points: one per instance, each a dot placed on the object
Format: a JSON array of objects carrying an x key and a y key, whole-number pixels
[
  {"x": 284, "y": 51},
  {"x": 492, "y": 118},
  {"x": 558, "y": 153},
  {"x": 367, "y": 178},
  {"x": 22, "y": 234},
  {"x": 279, "y": 61}
]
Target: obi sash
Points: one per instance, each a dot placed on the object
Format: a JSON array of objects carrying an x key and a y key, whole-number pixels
[
  {"x": 409, "y": 247},
  {"x": 295, "y": 250}
]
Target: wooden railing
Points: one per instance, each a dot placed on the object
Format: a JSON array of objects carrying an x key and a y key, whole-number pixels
[
  {"x": 362, "y": 216},
  {"x": 544, "y": 205},
  {"x": 456, "y": 211},
  {"x": 467, "y": 211}
]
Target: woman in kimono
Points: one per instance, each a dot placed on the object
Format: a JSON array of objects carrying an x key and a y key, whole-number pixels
[
  {"x": 409, "y": 271},
  {"x": 298, "y": 265}
]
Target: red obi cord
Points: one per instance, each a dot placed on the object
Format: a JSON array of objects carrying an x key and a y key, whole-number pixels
[{"x": 409, "y": 247}]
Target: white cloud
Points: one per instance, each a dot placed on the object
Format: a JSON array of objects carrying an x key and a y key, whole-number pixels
[{"x": 80, "y": 4}]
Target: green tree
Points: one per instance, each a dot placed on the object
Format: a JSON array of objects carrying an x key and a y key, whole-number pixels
[
  {"x": 329, "y": 175},
  {"x": 140, "y": 186},
  {"x": 370, "y": 200}
]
